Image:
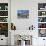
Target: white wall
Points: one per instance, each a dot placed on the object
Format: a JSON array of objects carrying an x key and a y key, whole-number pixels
[{"x": 23, "y": 24}]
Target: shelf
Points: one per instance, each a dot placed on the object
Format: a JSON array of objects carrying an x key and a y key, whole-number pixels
[
  {"x": 4, "y": 19},
  {"x": 3, "y": 16},
  {"x": 42, "y": 16},
  {"x": 41, "y": 22},
  {"x": 42, "y": 19},
  {"x": 3, "y": 22},
  {"x": 41, "y": 28},
  {"x": 3, "y": 10},
  {"x": 41, "y": 10}
]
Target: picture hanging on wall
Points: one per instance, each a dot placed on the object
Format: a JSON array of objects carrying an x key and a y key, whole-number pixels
[{"x": 23, "y": 14}]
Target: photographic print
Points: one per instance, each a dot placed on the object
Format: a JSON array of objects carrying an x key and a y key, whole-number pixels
[
  {"x": 42, "y": 32},
  {"x": 41, "y": 19},
  {"x": 41, "y": 6},
  {"x": 3, "y": 6},
  {"x": 3, "y": 13},
  {"x": 41, "y": 25},
  {"x": 4, "y": 29},
  {"x": 3, "y": 19},
  {"x": 41, "y": 13},
  {"x": 23, "y": 13}
]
